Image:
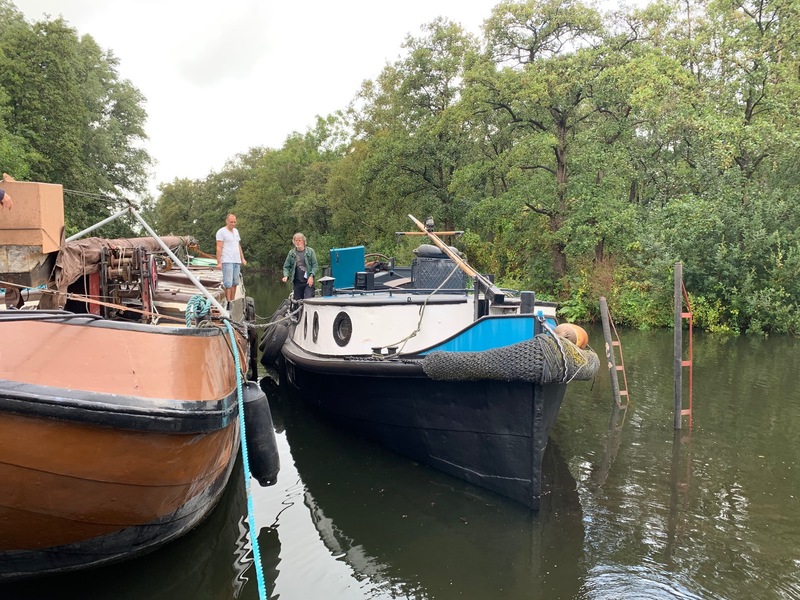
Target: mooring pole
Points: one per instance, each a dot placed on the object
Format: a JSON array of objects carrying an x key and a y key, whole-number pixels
[
  {"x": 612, "y": 361},
  {"x": 678, "y": 357}
]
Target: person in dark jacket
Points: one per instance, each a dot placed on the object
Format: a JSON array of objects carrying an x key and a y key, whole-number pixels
[{"x": 301, "y": 265}]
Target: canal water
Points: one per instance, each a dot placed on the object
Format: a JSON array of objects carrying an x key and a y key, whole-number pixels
[{"x": 632, "y": 510}]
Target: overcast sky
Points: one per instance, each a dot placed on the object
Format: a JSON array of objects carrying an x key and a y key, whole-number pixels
[{"x": 222, "y": 77}]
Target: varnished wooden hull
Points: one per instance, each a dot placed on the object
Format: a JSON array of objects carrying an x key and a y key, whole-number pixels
[{"x": 114, "y": 438}]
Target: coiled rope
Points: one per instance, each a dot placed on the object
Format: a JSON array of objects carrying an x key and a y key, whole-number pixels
[{"x": 197, "y": 307}]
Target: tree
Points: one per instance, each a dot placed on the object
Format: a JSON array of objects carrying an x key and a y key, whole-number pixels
[
  {"x": 545, "y": 95},
  {"x": 72, "y": 120},
  {"x": 415, "y": 136}
]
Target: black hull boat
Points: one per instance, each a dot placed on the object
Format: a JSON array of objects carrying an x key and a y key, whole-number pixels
[
  {"x": 489, "y": 433},
  {"x": 466, "y": 379}
]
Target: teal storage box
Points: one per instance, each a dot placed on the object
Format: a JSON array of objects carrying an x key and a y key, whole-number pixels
[{"x": 345, "y": 263}]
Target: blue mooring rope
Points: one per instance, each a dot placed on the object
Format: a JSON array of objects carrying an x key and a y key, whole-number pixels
[
  {"x": 198, "y": 306},
  {"x": 262, "y": 590}
]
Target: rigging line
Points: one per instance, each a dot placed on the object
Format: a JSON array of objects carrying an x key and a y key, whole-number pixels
[
  {"x": 419, "y": 322},
  {"x": 93, "y": 195}
]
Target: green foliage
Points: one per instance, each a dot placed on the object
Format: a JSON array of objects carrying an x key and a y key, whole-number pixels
[
  {"x": 582, "y": 153},
  {"x": 710, "y": 315},
  {"x": 66, "y": 117}
]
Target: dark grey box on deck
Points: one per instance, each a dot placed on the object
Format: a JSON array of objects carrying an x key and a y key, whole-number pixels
[
  {"x": 429, "y": 273},
  {"x": 365, "y": 280}
]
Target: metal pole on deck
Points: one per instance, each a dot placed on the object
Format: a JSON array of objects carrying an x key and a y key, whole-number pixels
[
  {"x": 201, "y": 288},
  {"x": 80, "y": 234},
  {"x": 678, "y": 348}
]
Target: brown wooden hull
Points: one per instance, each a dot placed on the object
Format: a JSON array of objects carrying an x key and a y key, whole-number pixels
[{"x": 114, "y": 438}]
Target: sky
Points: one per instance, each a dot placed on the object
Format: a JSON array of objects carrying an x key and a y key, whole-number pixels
[{"x": 222, "y": 77}]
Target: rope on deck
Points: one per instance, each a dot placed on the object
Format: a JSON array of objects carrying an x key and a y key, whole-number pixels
[{"x": 197, "y": 307}]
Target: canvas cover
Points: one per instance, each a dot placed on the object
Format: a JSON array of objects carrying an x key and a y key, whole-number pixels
[{"x": 83, "y": 257}]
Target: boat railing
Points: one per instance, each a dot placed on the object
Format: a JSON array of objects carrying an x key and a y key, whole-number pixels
[{"x": 390, "y": 292}]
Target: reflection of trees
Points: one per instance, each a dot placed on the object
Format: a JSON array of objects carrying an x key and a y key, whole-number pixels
[{"x": 717, "y": 506}]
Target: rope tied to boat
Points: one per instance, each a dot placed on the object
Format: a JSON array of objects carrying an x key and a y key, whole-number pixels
[
  {"x": 262, "y": 590},
  {"x": 197, "y": 307},
  {"x": 400, "y": 345}
]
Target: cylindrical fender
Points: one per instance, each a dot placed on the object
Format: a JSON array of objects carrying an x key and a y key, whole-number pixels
[{"x": 262, "y": 446}]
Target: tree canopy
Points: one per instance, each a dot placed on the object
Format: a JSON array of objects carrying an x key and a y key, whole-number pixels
[
  {"x": 583, "y": 153},
  {"x": 67, "y": 117}
]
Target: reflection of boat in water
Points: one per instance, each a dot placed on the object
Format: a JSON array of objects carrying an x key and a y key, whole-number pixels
[
  {"x": 419, "y": 533},
  {"x": 119, "y": 393},
  {"x": 211, "y": 562},
  {"x": 456, "y": 374}
]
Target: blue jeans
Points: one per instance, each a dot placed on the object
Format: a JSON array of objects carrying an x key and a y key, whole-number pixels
[{"x": 230, "y": 274}]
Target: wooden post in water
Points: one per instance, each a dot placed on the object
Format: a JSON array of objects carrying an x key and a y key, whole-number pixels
[
  {"x": 612, "y": 362},
  {"x": 678, "y": 350}
]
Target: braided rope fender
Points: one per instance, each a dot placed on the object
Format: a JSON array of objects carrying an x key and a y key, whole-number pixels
[{"x": 538, "y": 360}]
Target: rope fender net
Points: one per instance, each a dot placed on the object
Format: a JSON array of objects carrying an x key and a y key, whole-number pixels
[{"x": 538, "y": 360}]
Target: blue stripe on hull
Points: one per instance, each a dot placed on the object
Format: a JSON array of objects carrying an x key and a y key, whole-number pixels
[{"x": 491, "y": 332}]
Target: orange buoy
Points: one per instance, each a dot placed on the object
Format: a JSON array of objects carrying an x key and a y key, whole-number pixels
[
  {"x": 582, "y": 337},
  {"x": 574, "y": 333},
  {"x": 565, "y": 330}
]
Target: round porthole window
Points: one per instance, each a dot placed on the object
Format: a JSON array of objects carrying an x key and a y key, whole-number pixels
[
  {"x": 342, "y": 328},
  {"x": 315, "y": 328}
]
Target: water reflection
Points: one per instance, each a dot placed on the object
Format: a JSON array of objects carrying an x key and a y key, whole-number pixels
[
  {"x": 634, "y": 512},
  {"x": 412, "y": 532},
  {"x": 211, "y": 562},
  {"x": 712, "y": 512}
]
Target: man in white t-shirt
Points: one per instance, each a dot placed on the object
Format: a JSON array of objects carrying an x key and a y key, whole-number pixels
[{"x": 230, "y": 256}]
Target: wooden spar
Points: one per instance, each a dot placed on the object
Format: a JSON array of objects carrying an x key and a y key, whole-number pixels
[
  {"x": 425, "y": 232},
  {"x": 494, "y": 293}
]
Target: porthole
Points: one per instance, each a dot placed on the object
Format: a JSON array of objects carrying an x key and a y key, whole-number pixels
[
  {"x": 342, "y": 328},
  {"x": 315, "y": 328},
  {"x": 305, "y": 326}
]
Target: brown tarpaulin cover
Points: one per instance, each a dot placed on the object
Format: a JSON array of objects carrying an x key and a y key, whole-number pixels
[{"x": 82, "y": 257}]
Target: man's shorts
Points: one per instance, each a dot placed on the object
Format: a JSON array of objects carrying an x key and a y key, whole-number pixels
[{"x": 230, "y": 274}]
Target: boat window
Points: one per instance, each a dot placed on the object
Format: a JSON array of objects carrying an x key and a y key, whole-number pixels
[
  {"x": 342, "y": 329},
  {"x": 305, "y": 327},
  {"x": 315, "y": 328}
]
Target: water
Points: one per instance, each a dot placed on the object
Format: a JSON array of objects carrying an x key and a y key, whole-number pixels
[{"x": 632, "y": 510}]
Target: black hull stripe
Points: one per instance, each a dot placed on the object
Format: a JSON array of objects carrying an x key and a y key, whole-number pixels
[{"x": 117, "y": 411}]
